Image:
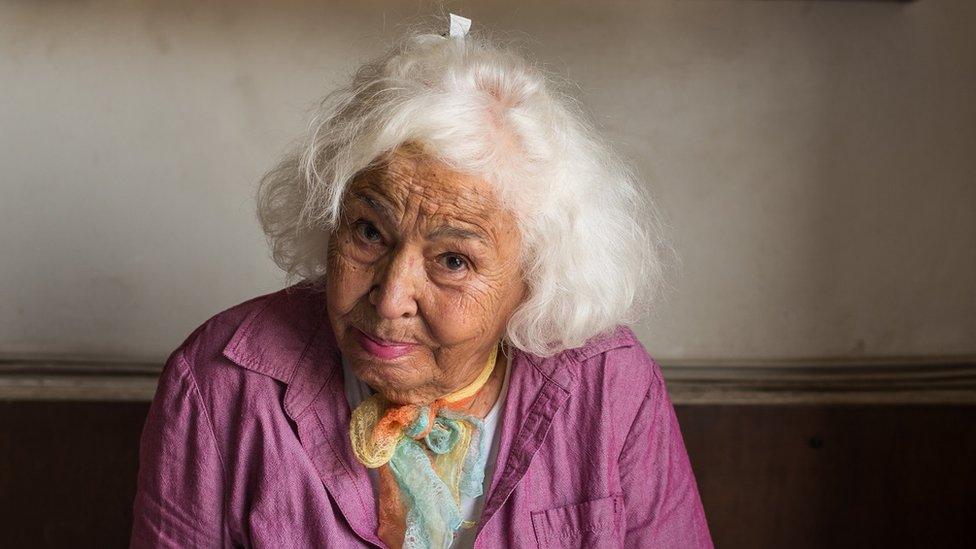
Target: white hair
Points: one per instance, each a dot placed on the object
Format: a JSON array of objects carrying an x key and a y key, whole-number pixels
[{"x": 594, "y": 251}]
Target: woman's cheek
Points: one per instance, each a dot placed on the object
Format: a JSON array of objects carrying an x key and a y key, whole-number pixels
[
  {"x": 465, "y": 314},
  {"x": 350, "y": 279}
]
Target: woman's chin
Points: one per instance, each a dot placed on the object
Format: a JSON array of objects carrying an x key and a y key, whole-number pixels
[
  {"x": 396, "y": 382},
  {"x": 403, "y": 395}
]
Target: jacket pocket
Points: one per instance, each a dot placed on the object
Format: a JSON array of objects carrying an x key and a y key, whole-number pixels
[{"x": 593, "y": 523}]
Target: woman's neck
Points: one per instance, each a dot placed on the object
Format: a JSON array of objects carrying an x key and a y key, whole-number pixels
[{"x": 486, "y": 397}]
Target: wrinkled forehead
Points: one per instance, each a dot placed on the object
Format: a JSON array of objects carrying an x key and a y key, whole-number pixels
[{"x": 416, "y": 184}]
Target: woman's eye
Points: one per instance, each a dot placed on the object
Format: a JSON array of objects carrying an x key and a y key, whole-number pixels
[
  {"x": 369, "y": 232},
  {"x": 454, "y": 262}
]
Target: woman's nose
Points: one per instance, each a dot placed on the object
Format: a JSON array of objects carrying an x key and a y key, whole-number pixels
[{"x": 395, "y": 292}]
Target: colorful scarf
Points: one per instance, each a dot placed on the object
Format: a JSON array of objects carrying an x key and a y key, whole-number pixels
[{"x": 420, "y": 493}]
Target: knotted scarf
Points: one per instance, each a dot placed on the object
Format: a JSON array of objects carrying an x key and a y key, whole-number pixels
[{"x": 428, "y": 457}]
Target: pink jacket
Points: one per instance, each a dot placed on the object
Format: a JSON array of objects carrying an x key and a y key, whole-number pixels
[{"x": 246, "y": 444}]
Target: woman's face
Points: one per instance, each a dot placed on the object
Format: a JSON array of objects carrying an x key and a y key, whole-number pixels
[{"x": 423, "y": 277}]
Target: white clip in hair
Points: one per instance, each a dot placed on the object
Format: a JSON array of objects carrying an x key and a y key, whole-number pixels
[{"x": 459, "y": 26}]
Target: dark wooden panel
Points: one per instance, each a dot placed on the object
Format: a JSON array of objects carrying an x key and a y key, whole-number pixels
[
  {"x": 841, "y": 476},
  {"x": 68, "y": 472},
  {"x": 770, "y": 476}
]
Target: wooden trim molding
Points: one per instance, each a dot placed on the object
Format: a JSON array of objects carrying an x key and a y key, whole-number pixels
[
  {"x": 928, "y": 381},
  {"x": 838, "y": 381},
  {"x": 67, "y": 379}
]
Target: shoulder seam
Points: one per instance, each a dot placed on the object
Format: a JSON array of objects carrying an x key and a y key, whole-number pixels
[
  {"x": 181, "y": 360},
  {"x": 612, "y": 342},
  {"x": 244, "y": 305},
  {"x": 646, "y": 401}
]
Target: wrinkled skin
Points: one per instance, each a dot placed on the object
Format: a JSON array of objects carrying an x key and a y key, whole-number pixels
[{"x": 392, "y": 275}]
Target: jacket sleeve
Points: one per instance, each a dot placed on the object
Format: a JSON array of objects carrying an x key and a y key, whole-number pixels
[
  {"x": 661, "y": 500},
  {"x": 180, "y": 487}
]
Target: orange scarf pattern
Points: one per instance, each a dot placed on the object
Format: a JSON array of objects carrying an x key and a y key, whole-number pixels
[{"x": 427, "y": 458}]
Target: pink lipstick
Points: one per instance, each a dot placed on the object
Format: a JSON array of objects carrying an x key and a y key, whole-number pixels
[{"x": 385, "y": 350}]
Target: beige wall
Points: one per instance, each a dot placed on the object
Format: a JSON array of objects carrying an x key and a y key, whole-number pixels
[{"x": 817, "y": 160}]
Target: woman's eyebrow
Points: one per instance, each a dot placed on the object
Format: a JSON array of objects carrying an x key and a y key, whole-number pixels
[
  {"x": 451, "y": 231},
  {"x": 381, "y": 207}
]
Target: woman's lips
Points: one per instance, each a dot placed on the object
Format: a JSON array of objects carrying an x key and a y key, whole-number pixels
[{"x": 382, "y": 349}]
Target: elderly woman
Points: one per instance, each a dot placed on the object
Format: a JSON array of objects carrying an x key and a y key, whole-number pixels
[{"x": 452, "y": 368}]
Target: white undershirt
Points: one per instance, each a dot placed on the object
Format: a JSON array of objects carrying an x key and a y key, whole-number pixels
[{"x": 357, "y": 391}]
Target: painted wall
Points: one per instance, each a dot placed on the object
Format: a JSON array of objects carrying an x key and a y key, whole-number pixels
[{"x": 817, "y": 161}]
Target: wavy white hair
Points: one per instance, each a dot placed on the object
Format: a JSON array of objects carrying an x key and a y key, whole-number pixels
[{"x": 594, "y": 250}]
